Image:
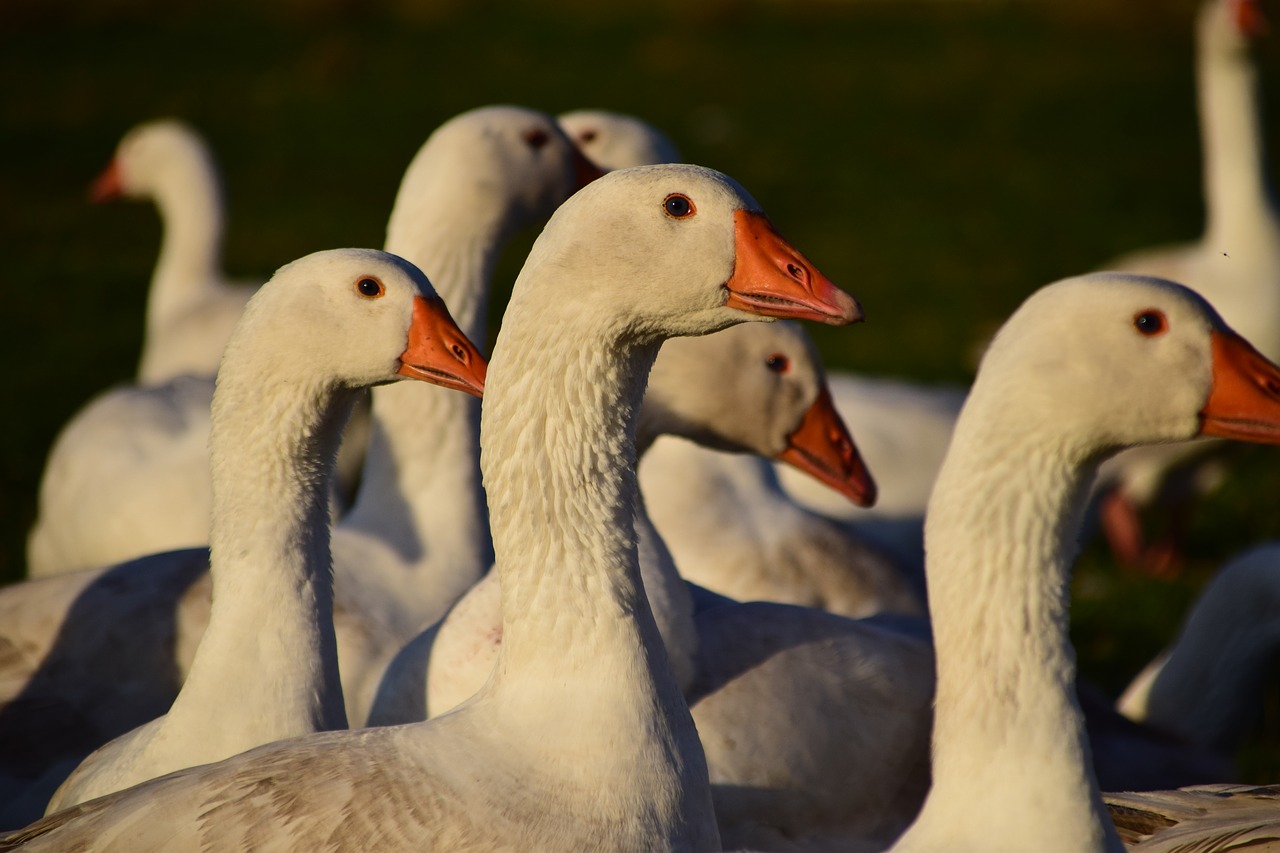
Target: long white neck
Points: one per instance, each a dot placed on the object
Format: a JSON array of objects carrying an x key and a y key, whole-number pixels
[
  {"x": 267, "y": 666},
  {"x": 1235, "y": 174},
  {"x": 559, "y": 463},
  {"x": 1011, "y": 762},
  {"x": 189, "y": 264},
  {"x": 420, "y": 490}
]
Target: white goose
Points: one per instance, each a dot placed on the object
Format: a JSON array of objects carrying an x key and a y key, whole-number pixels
[
  {"x": 1217, "y": 818},
  {"x": 615, "y": 762},
  {"x": 86, "y": 494},
  {"x": 617, "y": 141},
  {"x": 722, "y": 390},
  {"x": 1235, "y": 264},
  {"x": 1207, "y": 688},
  {"x": 1083, "y": 368},
  {"x": 191, "y": 306},
  {"x": 415, "y": 540},
  {"x": 267, "y": 667}
]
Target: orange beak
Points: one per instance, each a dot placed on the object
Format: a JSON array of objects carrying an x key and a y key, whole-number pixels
[
  {"x": 439, "y": 353},
  {"x": 1245, "y": 400},
  {"x": 108, "y": 185},
  {"x": 822, "y": 448},
  {"x": 773, "y": 279},
  {"x": 1250, "y": 19}
]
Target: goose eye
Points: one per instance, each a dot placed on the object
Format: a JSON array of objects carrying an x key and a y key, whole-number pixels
[
  {"x": 1150, "y": 323},
  {"x": 370, "y": 287},
  {"x": 536, "y": 138},
  {"x": 778, "y": 363},
  {"x": 587, "y": 136},
  {"x": 678, "y": 206}
]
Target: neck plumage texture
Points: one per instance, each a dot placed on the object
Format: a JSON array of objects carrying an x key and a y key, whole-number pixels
[{"x": 1012, "y": 767}]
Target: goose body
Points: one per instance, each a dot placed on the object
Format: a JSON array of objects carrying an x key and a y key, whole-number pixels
[
  {"x": 1011, "y": 767},
  {"x": 95, "y": 507},
  {"x": 416, "y": 538},
  {"x": 1208, "y": 687},
  {"x": 619, "y": 765}
]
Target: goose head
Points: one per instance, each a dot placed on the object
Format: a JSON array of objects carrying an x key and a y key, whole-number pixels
[
  {"x": 664, "y": 251},
  {"x": 149, "y": 158},
  {"x": 616, "y": 141},
  {"x": 508, "y": 162},
  {"x": 756, "y": 388},
  {"x": 360, "y": 317},
  {"x": 1230, "y": 26},
  {"x": 1108, "y": 360}
]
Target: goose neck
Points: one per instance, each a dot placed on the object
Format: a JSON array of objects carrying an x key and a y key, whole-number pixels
[
  {"x": 1001, "y": 535},
  {"x": 191, "y": 213}
]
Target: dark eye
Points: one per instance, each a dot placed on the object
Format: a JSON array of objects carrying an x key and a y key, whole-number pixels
[
  {"x": 1150, "y": 322},
  {"x": 778, "y": 363},
  {"x": 587, "y": 136},
  {"x": 678, "y": 206},
  {"x": 536, "y": 138},
  {"x": 370, "y": 287}
]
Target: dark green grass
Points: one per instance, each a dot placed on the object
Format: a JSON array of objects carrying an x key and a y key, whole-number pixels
[{"x": 939, "y": 160}]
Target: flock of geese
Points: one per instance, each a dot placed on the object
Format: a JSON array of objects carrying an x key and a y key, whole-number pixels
[{"x": 282, "y": 598}]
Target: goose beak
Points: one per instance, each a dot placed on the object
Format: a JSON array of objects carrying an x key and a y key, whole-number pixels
[
  {"x": 822, "y": 448},
  {"x": 439, "y": 353},
  {"x": 108, "y": 185},
  {"x": 584, "y": 171},
  {"x": 1245, "y": 400},
  {"x": 1250, "y": 19},
  {"x": 772, "y": 279}
]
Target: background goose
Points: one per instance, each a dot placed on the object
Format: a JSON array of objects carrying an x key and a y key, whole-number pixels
[
  {"x": 86, "y": 491},
  {"x": 1010, "y": 759},
  {"x": 1208, "y": 687},
  {"x": 1235, "y": 264},
  {"x": 618, "y": 765},
  {"x": 109, "y": 648},
  {"x": 267, "y": 667}
]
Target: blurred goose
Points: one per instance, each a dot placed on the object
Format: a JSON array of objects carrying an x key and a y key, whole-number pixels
[
  {"x": 415, "y": 540},
  {"x": 1208, "y": 687},
  {"x": 618, "y": 765},
  {"x": 1235, "y": 264},
  {"x": 1010, "y": 758},
  {"x": 617, "y": 141},
  {"x": 320, "y": 331},
  {"x": 86, "y": 492}
]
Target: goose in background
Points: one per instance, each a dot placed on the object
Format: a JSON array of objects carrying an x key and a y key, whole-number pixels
[
  {"x": 718, "y": 390},
  {"x": 191, "y": 309},
  {"x": 614, "y": 761},
  {"x": 1011, "y": 767},
  {"x": 100, "y": 652},
  {"x": 323, "y": 329},
  {"x": 1235, "y": 264},
  {"x": 191, "y": 305},
  {"x": 1208, "y": 687},
  {"x": 907, "y": 429}
]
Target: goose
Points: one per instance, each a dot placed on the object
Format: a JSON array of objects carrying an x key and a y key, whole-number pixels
[
  {"x": 723, "y": 390},
  {"x": 1235, "y": 263},
  {"x": 85, "y": 493},
  {"x": 416, "y": 538},
  {"x": 191, "y": 306},
  {"x": 1083, "y": 368},
  {"x": 278, "y": 412},
  {"x": 658, "y": 252},
  {"x": 1207, "y": 687},
  {"x": 615, "y": 140}
]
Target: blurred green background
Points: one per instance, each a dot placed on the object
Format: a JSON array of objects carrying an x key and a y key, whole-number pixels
[{"x": 940, "y": 160}]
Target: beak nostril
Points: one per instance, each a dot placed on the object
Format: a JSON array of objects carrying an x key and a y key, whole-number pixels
[
  {"x": 459, "y": 352},
  {"x": 795, "y": 271}
]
